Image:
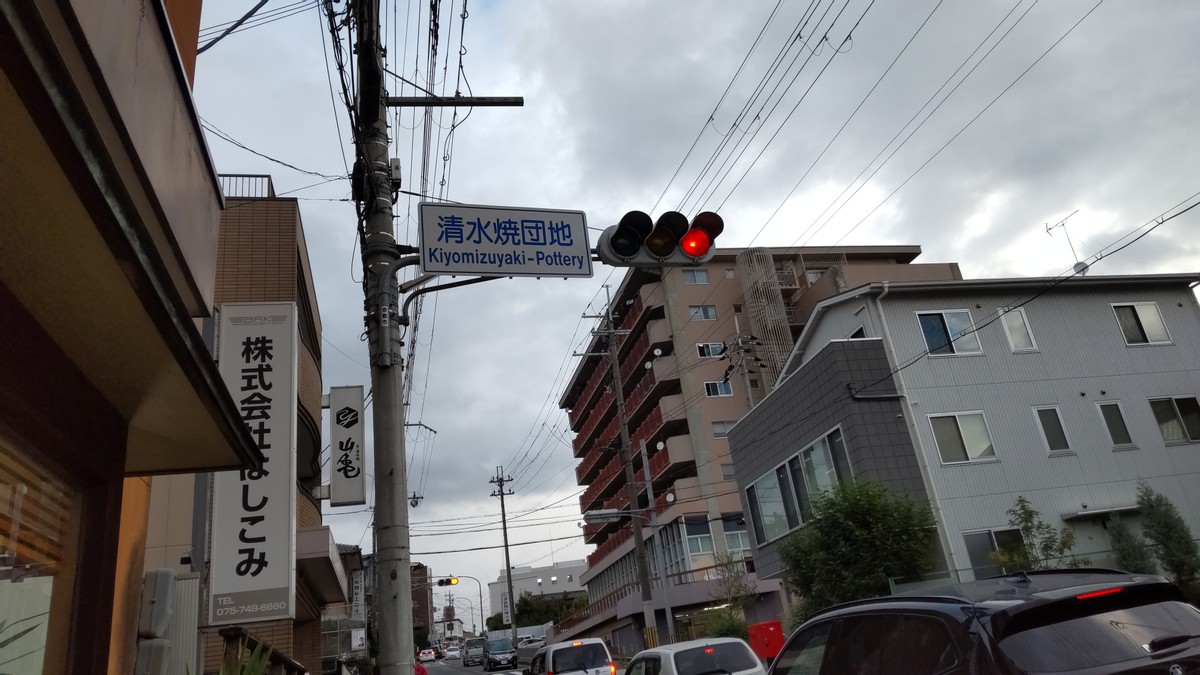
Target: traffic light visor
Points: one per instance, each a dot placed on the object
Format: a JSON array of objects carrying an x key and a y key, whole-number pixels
[{"x": 631, "y": 231}]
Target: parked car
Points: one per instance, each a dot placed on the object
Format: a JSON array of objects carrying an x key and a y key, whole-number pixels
[
  {"x": 587, "y": 656},
  {"x": 453, "y": 652},
  {"x": 426, "y": 655},
  {"x": 437, "y": 651},
  {"x": 1064, "y": 621},
  {"x": 499, "y": 652},
  {"x": 472, "y": 651},
  {"x": 708, "y": 656}
]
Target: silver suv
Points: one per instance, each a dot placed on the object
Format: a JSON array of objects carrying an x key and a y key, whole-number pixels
[{"x": 586, "y": 656}]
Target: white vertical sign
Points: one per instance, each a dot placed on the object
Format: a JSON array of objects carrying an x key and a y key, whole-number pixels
[
  {"x": 507, "y": 609},
  {"x": 254, "y": 510},
  {"x": 358, "y": 639},
  {"x": 348, "y": 483}
]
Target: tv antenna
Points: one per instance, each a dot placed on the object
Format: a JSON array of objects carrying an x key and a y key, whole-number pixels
[{"x": 1080, "y": 267}]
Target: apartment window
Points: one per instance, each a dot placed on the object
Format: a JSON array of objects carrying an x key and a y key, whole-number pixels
[
  {"x": 709, "y": 350},
  {"x": 553, "y": 580},
  {"x": 818, "y": 467},
  {"x": 738, "y": 542},
  {"x": 981, "y": 546},
  {"x": 1141, "y": 324},
  {"x": 737, "y": 309},
  {"x": 719, "y": 388},
  {"x": 1114, "y": 421},
  {"x": 729, "y": 273},
  {"x": 1052, "y": 429},
  {"x": 772, "y": 506},
  {"x": 812, "y": 276},
  {"x": 695, "y": 277},
  {"x": 949, "y": 332},
  {"x": 699, "y": 537},
  {"x": 858, "y": 334},
  {"x": 727, "y": 472},
  {"x": 753, "y": 383},
  {"x": 703, "y": 312},
  {"x": 1016, "y": 327},
  {"x": 962, "y": 437},
  {"x": 721, "y": 429},
  {"x": 1178, "y": 418}
]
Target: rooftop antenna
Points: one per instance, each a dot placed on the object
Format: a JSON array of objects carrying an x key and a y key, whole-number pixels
[{"x": 1080, "y": 267}]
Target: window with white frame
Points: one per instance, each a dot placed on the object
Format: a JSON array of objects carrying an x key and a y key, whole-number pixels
[
  {"x": 1016, "y": 327},
  {"x": 727, "y": 472},
  {"x": 709, "y": 350},
  {"x": 1141, "y": 323},
  {"x": 818, "y": 467},
  {"x": 962, "y": 437},
  {"x": 1178, "y": 418},
  {"x": 721, "y": 428},
  {"x": 738, "y": 542},
  {"x": 703, "y": 312},
  {"x": 949, "y": 332},
  {"x": 1053, "y": 432},
  {"x": 718, "y": 388},
  {"x": 1114, "y": 421},
  {"x": 699, "y": 537},
  {"x": 772, "y": 506},
  {"x": 695, "y": 277}
]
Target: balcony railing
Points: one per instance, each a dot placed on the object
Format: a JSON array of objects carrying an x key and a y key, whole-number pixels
[
  {"x": 599, "y": 378},
  {"x": 632, "y": 315},
  {"x": 585, "y": 434},
  {"x": 633, "y": 358},
  {"x": 585, "y": 472},
  {"x": 598, "y": 606}
]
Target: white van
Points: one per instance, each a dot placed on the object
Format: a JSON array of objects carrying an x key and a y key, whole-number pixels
[{"x": 585, "y": 656}]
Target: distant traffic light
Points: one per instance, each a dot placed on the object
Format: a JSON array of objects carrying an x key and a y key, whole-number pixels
[
  {"x": 638, "y": 241},
  {"x": 448, "y": 581}
]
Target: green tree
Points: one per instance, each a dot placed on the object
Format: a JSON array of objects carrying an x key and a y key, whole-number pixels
[
  {"x": 1043, "y": 547},
  {"x": 496, "y": 621},
  {"x": 732, "y": 592},
  {"x": 1162, "y": 524},
  {"x": 859, "y": 536},
  {"x": 1133, "y": 552}
]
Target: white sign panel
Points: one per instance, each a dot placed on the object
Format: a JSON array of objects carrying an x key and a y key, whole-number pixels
[
  {"x": 503, "y": 241},
  {"x": 254, "y": 510},
  {"x": 348, "y": 483},
  {"x": 507, "y": 609},
  {"x": 358, "y": 639}
]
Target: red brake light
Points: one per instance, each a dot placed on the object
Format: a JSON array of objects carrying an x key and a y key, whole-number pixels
[
  {"x": 708, "y": 650},
  {"x": 612, "y": 668},
  {"x": 1096, "y": 594}
]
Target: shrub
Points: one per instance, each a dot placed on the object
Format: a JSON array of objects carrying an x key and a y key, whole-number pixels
[
  {"x": 1162, "y": 524},
  {"x": 1133, "y": 553},
  {"x": 1043, "y": 546}
]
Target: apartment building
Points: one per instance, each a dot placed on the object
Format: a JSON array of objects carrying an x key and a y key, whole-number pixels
[
  {"x": 971, "y": 393},
  {"x": 698, "y": 348}
]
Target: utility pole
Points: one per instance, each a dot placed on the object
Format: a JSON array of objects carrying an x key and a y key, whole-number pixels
[
  {"x": 656, "y": 532},
  {"x": 631, "y": 492},
  {"x": 499, "y": 481},
  {"x": 372, "y": 185}
]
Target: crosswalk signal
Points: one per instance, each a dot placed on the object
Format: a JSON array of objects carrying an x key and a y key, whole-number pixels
[
  {"x": 639, "y": 241},
  {"x": 448, "y": 581}
]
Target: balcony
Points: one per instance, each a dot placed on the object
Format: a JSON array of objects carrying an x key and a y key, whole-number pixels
[
  {"x": 586, "y": 434},
  {"x": 583, "y": 404},
  {"x": 585, "y": 473},
  {"x": 611, "y": 544},
  {"x": 604, "y": 486},
  {"x": 676, "y": 458}
]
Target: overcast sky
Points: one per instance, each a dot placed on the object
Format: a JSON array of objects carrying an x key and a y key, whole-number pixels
[{"x": 964, "y": 127}]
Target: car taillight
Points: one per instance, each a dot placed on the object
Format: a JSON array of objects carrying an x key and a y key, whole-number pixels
[
  {"x": 612, "y": 668},
  {"x": 1096, "y": 594}
]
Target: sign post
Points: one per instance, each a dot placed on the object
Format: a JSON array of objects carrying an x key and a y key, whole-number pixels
[
  {"x": 347, "y": 482},
  {"x": 503, "y": 241}
]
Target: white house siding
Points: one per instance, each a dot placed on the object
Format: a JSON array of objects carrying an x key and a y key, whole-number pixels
[{"x": 1082, "y": 358}]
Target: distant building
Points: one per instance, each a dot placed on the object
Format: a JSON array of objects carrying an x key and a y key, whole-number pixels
[
  {"x": 704, "y": 345},
  {"x": 969, "y": 394},
  {"x": 557, "y": 579}
]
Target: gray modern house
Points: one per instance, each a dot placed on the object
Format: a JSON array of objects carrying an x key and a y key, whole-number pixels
[{"x": 970, "y": 393}]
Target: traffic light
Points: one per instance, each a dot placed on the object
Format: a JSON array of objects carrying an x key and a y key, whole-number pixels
[
  {"x": 448, "y": 581},
  {"x": 638, "y": 241}
]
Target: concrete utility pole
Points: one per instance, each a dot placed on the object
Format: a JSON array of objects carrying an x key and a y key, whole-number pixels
[
  {"x": 659, "y": 556},
  {"x": 650, "y": 635},
  {"x": 499, "y": 481},
  {"x": 381, "y": 259}
]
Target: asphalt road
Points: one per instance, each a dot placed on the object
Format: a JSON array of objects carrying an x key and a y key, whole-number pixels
[{"x": 455, "y": 667}]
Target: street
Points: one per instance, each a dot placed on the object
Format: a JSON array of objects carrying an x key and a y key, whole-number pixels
[{"x": 455, "y": 667}]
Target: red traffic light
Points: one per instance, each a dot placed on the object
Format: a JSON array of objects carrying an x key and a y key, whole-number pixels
[{"x": 705, "y": 228}]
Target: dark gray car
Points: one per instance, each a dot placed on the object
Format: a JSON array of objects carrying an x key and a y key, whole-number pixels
[{"x": 499, "y": 653}]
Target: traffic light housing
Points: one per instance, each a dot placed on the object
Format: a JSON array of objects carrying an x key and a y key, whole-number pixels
[
  {"x": 639, "y": 241},
  {"x": 448, "y": 581}
]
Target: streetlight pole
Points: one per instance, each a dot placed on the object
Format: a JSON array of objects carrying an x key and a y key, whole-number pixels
[{"x": 482, "y": 621}]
